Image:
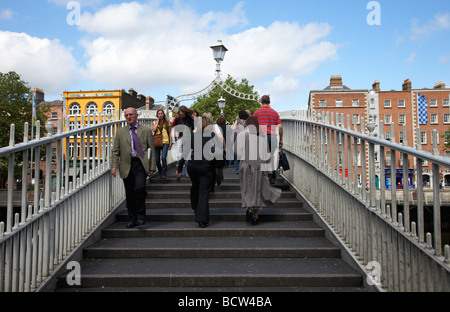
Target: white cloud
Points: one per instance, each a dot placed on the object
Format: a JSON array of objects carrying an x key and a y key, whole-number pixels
[
  {"x": 440, "y": 22},
  {"x": 411, "y": 58},
  {"x": 6, "y": 14},
  {"x": 81, "y": 2},
  {"x": 146, "y": 46},
  {"x": 43, "y": 63}
]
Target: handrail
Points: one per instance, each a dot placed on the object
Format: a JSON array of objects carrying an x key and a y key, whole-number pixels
[
  {"x": 75, "y": 195},
  {"x": 335, "y": 161}
]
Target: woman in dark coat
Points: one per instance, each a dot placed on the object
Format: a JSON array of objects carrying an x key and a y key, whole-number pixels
[
  {"x": 254, "y": 157},
  {"x": 201, "y": 170}
]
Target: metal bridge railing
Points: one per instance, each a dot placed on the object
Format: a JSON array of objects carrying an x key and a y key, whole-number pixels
[
  {"x": 66, "y": 191},
  {"x": 336, "y": 169}
]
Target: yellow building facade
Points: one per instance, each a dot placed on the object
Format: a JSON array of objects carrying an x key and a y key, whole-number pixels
[{"x": 87, "y": 108}]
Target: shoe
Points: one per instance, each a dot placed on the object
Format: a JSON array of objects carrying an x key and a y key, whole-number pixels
[
  {"x": 248, "y": 215},
  {"x": 255, "y": 221},
  {"x": 131, "y": 225},
  {"x": 202, "y": 225},
  {"x": 163, "y": 177},
  {"x": 140, "y": 222}
]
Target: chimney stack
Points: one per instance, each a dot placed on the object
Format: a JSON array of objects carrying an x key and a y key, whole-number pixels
[
  {"x": 440, "y": 85},
  {"x": 132, "y": 93},
  {"x": 376, "y": 86},
  {"x": 407, "y": 86},
  {"x": 336, "y": 81}
]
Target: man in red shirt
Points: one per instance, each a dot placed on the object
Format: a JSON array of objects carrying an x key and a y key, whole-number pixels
[{"x": 269, "y": 120}]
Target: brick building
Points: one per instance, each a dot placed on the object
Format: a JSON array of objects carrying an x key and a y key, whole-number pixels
[{"x": 395, "y": 108}]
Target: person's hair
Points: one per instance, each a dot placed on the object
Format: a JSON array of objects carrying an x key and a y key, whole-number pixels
[
  {"x": 265, "y": 99},
  {"x": 208, "y": 115},
  {"x": 221, "y": 120},
  {"x": 253, "y": 124},
  {"x": 185, "y": 110},
  {"x": 195, "y": 111},
  {"x": 206, "y": 121},
  {"x": 243, "y": 115},
  {"x": 164, "y": 121}
]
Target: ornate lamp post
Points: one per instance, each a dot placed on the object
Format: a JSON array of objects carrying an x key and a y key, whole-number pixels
[
  {"x": 219, "y": 51},
  {"x": 221, "y": 104}
]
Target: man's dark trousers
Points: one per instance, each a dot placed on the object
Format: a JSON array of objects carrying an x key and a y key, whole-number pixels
[{"x": 136, "y": 192}]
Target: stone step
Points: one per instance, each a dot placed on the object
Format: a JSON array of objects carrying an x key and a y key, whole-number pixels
[
  {"x": 286, "y": 251},
  {"x": 217, "y": 203},
  {"x": 216, "y": 272},
  {"x": 216, "y": 229},
  {"x": 213, "y": 247},
  {"x": 222, "y": 214},
  {"x": 218, "y": 194}
]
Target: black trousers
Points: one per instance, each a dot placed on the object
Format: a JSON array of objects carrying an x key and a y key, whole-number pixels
[
  {"x": 202, "y": 176},
  {"x": 272, "y": 142},
  {"x": 135, "y": 190}
]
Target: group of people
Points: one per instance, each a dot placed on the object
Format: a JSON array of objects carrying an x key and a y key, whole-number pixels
[{"x": 203, "y": 148}]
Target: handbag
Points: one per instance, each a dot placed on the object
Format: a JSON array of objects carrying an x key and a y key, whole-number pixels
[
  {"x": 284, "y": 163},
  {"x": 158, "y": 139}
]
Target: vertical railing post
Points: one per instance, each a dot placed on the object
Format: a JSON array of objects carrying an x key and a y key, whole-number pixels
[{"x": 406, "y": 219}]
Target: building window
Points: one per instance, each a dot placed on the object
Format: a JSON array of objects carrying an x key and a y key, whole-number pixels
[
  {"x": 387, "y": 135},
  {"x": 91, "y": 108},
  {"x": 323, "y": 103},
  {"x": 423, "y": 137},
  {"x": 434, "y": 118},
  {"x": 401, "y": 103},
  {"x": 108, "y": 108},
  {"x": 54, "y": 115},
  {"x": 447, "y": 118},
  {"x": 74, "y": 109},
  {"x": 447, "y": 135},
  {"x": 338, "y": 103},
  {"x": 387, "y": 119},
  {"x": 402, "y": 119},
  {"x": 387, "y": 103},
  {"x": 433, "y": 103},
  {"x": 355, "y": 103},
  {"x": 356, "y": 119},
  {"x": 445, "y": 102},
  {"x": 339, "y": 119},
  {"x": 401, "y": 137}
]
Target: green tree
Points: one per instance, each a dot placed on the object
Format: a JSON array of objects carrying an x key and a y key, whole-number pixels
[
  {"x": 233, "y": 104},
  {"x": 16, "y": 108},
  {"x": 446, "y": 137}
]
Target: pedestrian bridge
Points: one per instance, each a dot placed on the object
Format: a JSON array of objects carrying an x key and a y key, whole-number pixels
[{"x": 396, "y": 238}]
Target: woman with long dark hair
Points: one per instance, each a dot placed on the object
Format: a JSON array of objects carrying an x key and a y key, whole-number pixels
[{"x": 162, "y": 125}]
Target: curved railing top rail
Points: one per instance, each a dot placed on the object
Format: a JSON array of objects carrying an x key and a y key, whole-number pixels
[{"x": 415, "y": 152}]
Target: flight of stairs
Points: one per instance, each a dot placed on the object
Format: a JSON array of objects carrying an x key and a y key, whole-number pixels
[{"x": 287, "y": 251}]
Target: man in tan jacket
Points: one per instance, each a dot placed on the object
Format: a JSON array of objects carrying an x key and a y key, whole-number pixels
[{"x": 130, "y": 155}]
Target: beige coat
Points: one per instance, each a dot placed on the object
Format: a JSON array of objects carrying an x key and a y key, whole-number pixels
[
  {"x": 121, "y": 152},
  {"x": 254, "y": 166}
]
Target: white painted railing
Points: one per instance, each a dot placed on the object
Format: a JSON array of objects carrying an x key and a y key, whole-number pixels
[
  {"x": 76, "y": 193},
  {"x": 395, "y": 252}
]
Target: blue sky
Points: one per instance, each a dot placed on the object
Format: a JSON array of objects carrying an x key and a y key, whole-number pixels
[{"x": 284, "y": 48}]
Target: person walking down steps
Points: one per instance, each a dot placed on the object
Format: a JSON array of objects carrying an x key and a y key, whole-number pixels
[{"x": 130, "y": 156}]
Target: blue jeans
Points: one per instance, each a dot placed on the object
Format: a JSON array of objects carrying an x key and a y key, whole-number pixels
[{"x": 161, "y": 159}]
